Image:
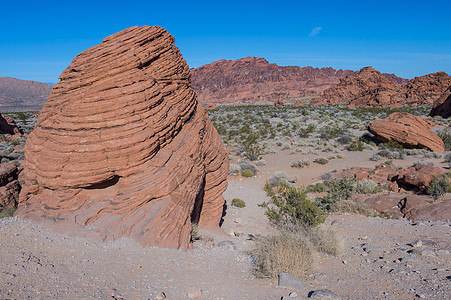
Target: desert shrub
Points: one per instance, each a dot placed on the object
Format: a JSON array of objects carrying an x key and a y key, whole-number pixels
[
  {"x": 7, "y": 212},
  {"x": 260, "y": 162},
  {"x": 350, "y": 206},
  {"x": 321, "y": 160},
  {"x": 412, "y": 152},
  {"x": 331, "y": 132},
  {"x": 247, "y": 173},
  {"x": 306, "y": 131},
  {"x": 356, "y": 145},
  {"x": 338, "y": 189},
  {"x": 252, "y": 150},
  {"x": 234, "y": 169},
  {"x": 375, "y": 157},
  {"x": 195, "y": 232},
  {"x": 300, "y": 163},
  {"x": 324, "y": 239},
  {"x": 391, "y": 154},
  {"x": 286, "y": 146},
  {"x": 283, "y": 252},
  {"x": 422, "y": 162},
  {"x": 237, "y": 202},
  {"x": 445, "y": 135},
  {"x": 366, "y": 186},
  {"x": 318, "y": 187},
  {"x": 290, "y": 205},
  {"x": 447, "y": 157},
  {"x": 344, "y": 139},
  {"x": 246, "y": 164},
  {"x": 432, "y": 155},
  {"x": 392, "y": 145},
  {"x": 438, "y": 186},
  {"x": 279, "y": 177}
]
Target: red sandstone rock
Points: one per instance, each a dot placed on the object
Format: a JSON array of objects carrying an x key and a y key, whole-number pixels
[
  {"x": 418, "y": 208},
  {"x": 211, "y": 106},
  {"x": 298, "y": 104},
  {"x": 8, "y": 126},
  {"x": 417, "y": 177},
  {"x": 369, "y": 87},
  {"x": 253, "y": 79},
  {"x": 386, "y": 204},
  {"x": 279, "y": 103},
  {"x": 409, "y": 130},
  {"x": 442, "y": 106},
  {"x": 123, "y": 149},
  {"x": 9, "y": 185}
]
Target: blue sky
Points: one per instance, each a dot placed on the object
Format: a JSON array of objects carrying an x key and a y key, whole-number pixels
[{"x": 38, "y": 39}]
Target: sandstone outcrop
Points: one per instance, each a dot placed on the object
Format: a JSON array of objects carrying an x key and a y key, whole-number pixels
[
  {"x": 254, "y": 79},
  {"x": 8, "y": 125},
  {"x": 122, "y": 148},
  {"x": 369, "y": 87},
  {"x": 211, "y": 106},
  {"x": 9, "y": 185},
  {"x": 298, "y": 104},
  {"x": 279, "y": 103},
  {"x": 409, "y": 130},
  {"x": 417, "y": 177},
  {"x": 442, "y": 106}
]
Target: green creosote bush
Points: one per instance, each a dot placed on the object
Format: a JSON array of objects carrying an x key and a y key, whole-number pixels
[
  {"x": 290, "y": 205},
  {"x": 237, "y": 202},
  {"x": 305, "y": 132},
  {"x": 438, "y": 186},
  {"x": 445, "y": 135},
  {"x": 392, "y": 145},
  {"x": 355, "y": 145},
  {"x": 247, "y": 173},
  {"x": 318, "y": 187},
  {"x": 337, "y": 189},
  {"x": 321, "y": 160},
  {"x": 251, "y": 147}
]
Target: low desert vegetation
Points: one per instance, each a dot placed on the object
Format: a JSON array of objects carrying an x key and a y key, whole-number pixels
[
  {"x": 300, "y": 233},
  {"x": 438, "y": 186},
  {"x": 247, "y": 173},
  {"x": 237, "y": 202},
  {"x": 7, "y": 212}
]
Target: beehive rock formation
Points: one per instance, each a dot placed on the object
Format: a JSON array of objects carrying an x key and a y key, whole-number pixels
[
  {"x": 409, "y": 130},
  {"x": 442, "y": 106},
  {"x": 122, "y": 148}
]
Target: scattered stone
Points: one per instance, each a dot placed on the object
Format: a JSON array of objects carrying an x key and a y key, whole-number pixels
[
  {"x": 293, "y": 295},
  {"x": 288, "y": 280},
  {"x": 416, "y": 244},
  {"x": 324, "y": 295},
  {"x": 160, "y": 296}
]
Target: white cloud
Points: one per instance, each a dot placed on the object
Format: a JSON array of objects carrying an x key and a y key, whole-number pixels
[{"x": 315, "y": 31}]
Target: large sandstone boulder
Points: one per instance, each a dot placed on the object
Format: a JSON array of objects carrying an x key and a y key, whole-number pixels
[
  {"x": 279, "y": 103},
  {"x": 9, "y": 185},
  {"x": 8, "y": 125},
  {"x": 409, "y": 130},
  {"x": 122, "y": 148},
  {"x": 442, "y": 106},
  {"x": 417, "y": 177}
]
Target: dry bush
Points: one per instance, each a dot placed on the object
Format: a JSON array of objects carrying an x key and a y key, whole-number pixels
[
  {"x": 350, "y": 206},
  {"x": 283, "y": 252},
  {"x": 325, "y": 240}
]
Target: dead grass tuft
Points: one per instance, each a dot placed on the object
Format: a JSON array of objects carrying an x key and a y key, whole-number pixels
[{"x": 350, "y": 206}]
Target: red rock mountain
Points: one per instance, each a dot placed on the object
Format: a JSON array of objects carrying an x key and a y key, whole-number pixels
[
  {"x": 122, "y": 148},
  {"x": 22, "y": 93},
  {"x": 442, "y": 106},
  {"x": 369, "y": 87},
  {"x": 253, "y": 79}
]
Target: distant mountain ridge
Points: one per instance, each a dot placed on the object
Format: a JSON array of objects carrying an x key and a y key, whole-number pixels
[
  {"x": 254, "y": 79},
  {"x": 22, "y": 93}
]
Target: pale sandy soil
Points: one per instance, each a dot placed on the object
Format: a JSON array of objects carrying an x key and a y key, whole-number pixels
[{"x": 375, "y": 262}]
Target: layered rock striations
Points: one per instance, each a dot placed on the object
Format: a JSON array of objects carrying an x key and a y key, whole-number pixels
[
  {"x": 369, "y": 87},
  {"x": 408, "y": 130},
  {"x": 253, "y": 79},
  {"x": 122, "y": 148}
]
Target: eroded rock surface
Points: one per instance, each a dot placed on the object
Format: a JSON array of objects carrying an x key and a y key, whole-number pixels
[
  {"x": 123, "y": 149},
  {"x": 409, "y": 130},
  {"x": 9, "y": 185},
  {"x": 8, "y": 125},
  {"x": 442, "y": 106}
]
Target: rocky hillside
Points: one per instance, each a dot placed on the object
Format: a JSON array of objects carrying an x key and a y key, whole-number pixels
[
  {"x": 22, "y": 93},
  {"x": 369, "y": 87},
  {"x": 253, "y": 79}
]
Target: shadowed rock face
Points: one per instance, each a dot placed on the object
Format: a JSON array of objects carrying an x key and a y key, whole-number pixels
[
  {"x": 123, "y": 149},
  {"x": 409, "y": 130},
  {"x": 442, "y": 106}
]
